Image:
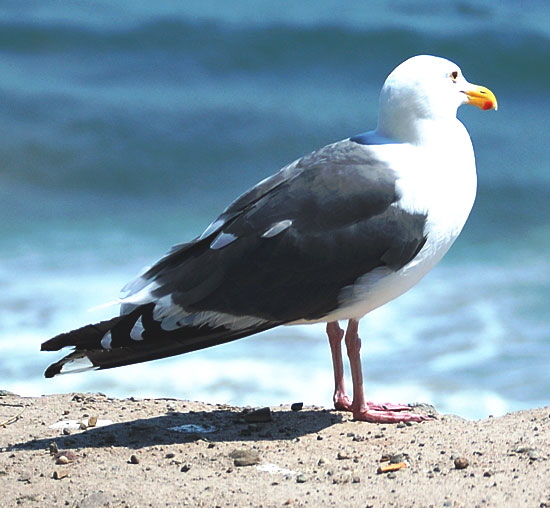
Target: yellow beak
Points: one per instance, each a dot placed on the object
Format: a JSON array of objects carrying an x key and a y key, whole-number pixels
[{"x": 481, "y": 97}]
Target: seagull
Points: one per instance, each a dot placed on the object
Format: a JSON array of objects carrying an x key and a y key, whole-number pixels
[{"x": 330, "y": 237}]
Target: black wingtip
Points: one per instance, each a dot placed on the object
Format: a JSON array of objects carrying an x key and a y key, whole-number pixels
[
  {"x": 87, "y": 337},
  {"x": 55, "y": 368},
  {"x": 52, "y": 370}
]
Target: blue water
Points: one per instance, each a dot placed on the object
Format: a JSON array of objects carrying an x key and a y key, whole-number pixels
[{"x": 126, "y": 129}]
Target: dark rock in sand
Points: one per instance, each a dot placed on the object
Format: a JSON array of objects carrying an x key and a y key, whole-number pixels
[
  {"x": 245, "y": 457},
  {"x": 461, "y": 463},
  {"x": 262, "y": 415},
  {"x": 59, "y": 475},
  {"x": 301, "y": 478}
]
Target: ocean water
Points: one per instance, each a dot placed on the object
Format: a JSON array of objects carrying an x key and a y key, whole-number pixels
[{"x": 126, "y": 128}]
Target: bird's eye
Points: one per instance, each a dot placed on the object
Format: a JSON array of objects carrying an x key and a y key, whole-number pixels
[{"x": 454, "y": 76}]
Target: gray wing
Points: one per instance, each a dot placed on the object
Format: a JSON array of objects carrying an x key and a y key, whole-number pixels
[{"x": 284, "y": 250}]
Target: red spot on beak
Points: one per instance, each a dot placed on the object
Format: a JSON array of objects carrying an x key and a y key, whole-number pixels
[{"x": 487, "y": 105}]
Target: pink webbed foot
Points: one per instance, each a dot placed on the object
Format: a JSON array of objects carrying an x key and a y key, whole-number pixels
[
  {"x": 392, "y": 416},
  {"x": 387, "y": 406},
  {"x": 343, "y": 403},
  {"x": 369, "y": 411}
]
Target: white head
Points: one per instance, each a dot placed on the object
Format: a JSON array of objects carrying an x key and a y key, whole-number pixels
[{"x": 425, "y": 88}]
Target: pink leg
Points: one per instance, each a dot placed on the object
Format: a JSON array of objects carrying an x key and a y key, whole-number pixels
[
  {"x": 367, "y": 411},
  {"x": 342, "y": 402},
  {"x": 335, "y": 335}
]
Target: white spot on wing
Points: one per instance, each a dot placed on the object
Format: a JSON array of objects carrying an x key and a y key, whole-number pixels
[
  {"x": 106, "y": 341},
  {"x": 137, "y": 330},
  {"x": 81, "y": 364},
  {"x": 212, "y": 228},
  {"x": 277, "y": 228},
  {"x": 222, "y": 240},
  {"x": 168, "y": 313}
]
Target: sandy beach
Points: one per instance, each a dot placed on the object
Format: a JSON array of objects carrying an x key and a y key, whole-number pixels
[{"x": 91, "y": 450}]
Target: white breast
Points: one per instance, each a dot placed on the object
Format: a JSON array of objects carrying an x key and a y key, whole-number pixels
[{"x": 439, "y": 180}]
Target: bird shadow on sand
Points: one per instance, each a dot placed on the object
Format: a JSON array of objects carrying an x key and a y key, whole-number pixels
[{"x": 177, "y": 427}]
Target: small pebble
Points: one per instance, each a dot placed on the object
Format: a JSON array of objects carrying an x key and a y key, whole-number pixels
[
  {"x": 66, "y": 431},
  {"x": 245, "y": 457},
  {"x": 62, "y": 459},
  {"x": 533, "y": 454},
  {"x": 185, "y": 468},
  {"x": 69, "y": 454},
  {"x": 301, "y": 478},
  {"x": 297, "y": 406},
  {"x": 398, "y": 457},
  {"x": 25, "y": 477},
  {"x": 92, "y": 421},
  {"x": 461, "y": 463},
  {"x": 170, "y": 455},
  {"x": 58, "y": 475},
  {"x": 54, "y": 450},
  {"x": 134, "y": 459}
]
